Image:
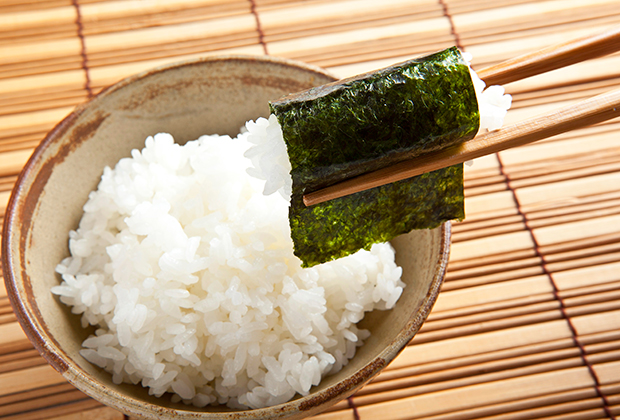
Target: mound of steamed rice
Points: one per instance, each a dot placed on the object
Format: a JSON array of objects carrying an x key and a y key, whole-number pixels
[{"x": 188, "y": 272}]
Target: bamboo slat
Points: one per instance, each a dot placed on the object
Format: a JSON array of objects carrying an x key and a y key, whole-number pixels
[
  {"x": 407, "y": 388},
  {"x": 528, "y": 15},
  {"x": 79, "y": 407},
  {"x": 491, "y": 245},
  {"x": 100, "y": 413},
  {"x": 42, "y": 402},
  {"x": 468, "y": 397},
  {"x": 493, "y": 292},
  {"x": 39, "y": 50},
  {"x": 11, "y": 335},
  {"x": 35, "y": 18},
  {"x": 36, "y": 393},
  {"x": 170, "y": 34},
  {"x": 425, "y": 29},
  {"x": 96, "y": 12},
  {"x": 11, "y": 163},
  {"x": 573, "y": 189},
  {"x": 18, "y": 365},
  {"x": 603, "y": 205},
  {"x": 8, "y": 6},
  {"x": 103, "y": 76},
  {"x": 34, "y": 377}
]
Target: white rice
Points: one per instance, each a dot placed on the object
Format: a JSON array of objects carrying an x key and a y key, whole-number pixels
[
  {"x": 493, "y": 101},
  {"x": 188, "y": 272}
]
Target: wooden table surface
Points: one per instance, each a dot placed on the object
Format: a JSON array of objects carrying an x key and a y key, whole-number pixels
[{"x": 527, "y": 325}]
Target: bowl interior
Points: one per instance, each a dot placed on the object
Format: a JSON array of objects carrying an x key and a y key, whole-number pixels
[{"x": 201, "y": 97}]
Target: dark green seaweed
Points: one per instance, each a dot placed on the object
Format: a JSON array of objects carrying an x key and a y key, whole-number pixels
[{"x": 353, "y": 126}]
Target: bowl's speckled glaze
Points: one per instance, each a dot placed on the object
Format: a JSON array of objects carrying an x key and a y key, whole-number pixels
[{"x": 213, "y": 95}]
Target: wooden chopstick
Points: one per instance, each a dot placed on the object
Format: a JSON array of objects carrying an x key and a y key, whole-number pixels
[
  {"x": 552, "y": 58},
  {"x": 591, "y": 111}
]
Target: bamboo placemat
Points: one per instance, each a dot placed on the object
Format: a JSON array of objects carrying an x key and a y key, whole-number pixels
[{"x": 527, "y": 325}]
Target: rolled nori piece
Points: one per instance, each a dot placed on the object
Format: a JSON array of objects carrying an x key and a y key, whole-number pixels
[{"x": 356, "y": 125}]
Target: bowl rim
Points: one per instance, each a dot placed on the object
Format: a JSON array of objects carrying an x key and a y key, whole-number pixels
[{"x": 28, "y": 316}]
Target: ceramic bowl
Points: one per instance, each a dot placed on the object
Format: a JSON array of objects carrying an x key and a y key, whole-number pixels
[{"x": 207, "y": 96}]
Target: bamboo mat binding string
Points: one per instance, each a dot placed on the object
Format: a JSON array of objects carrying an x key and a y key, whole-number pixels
[
  {"x": 259, "y": 28},
  {"x": 83, "y": 53},
  {"x": 453, "y": 32}
]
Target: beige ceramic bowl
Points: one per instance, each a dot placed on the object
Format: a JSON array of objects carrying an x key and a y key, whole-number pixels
[{"x": 215, "y": 95}]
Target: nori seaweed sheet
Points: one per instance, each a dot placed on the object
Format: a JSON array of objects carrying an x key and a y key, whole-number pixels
[{"x": 349, "y": 127}]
